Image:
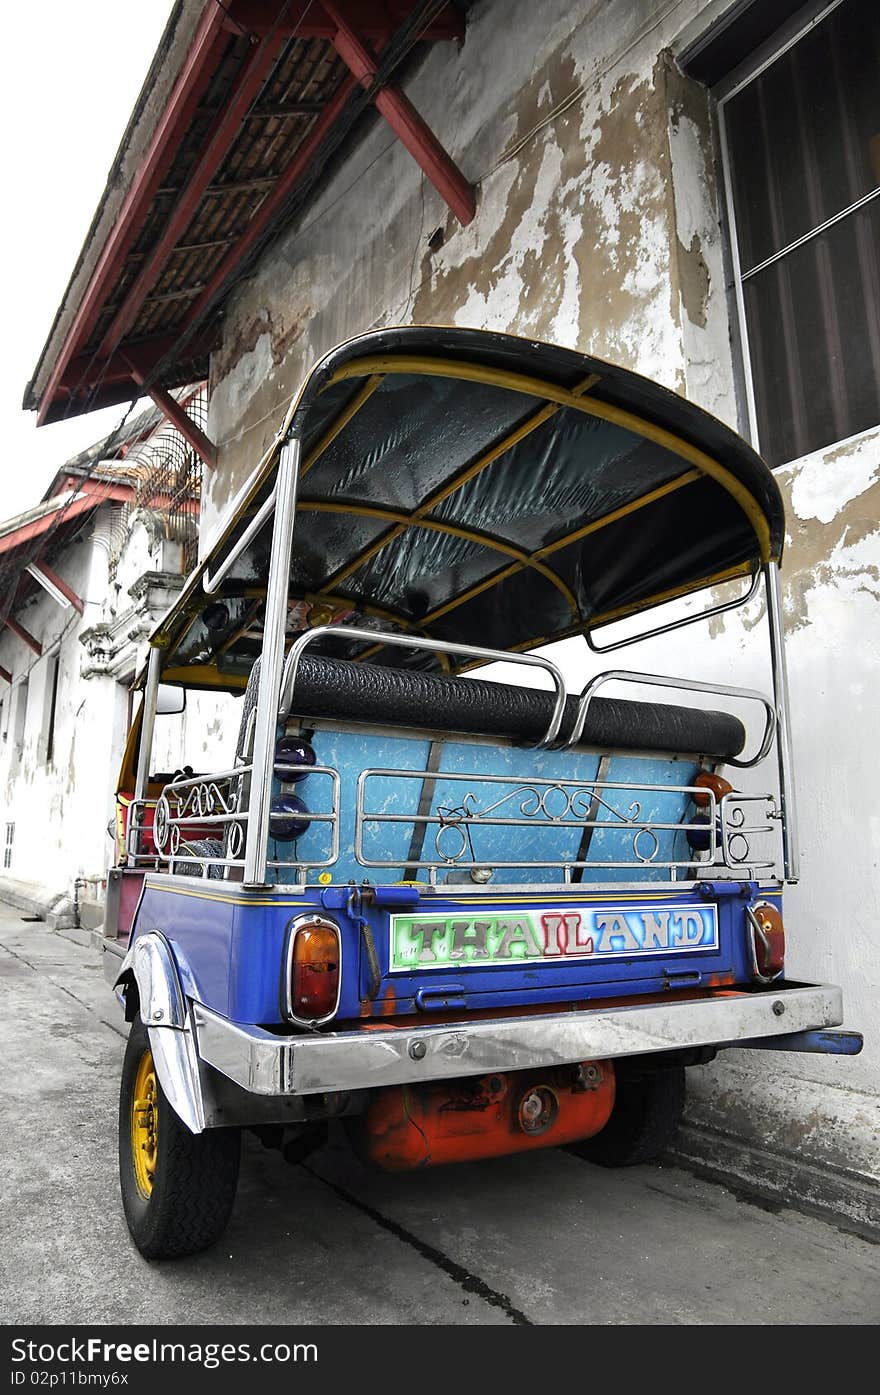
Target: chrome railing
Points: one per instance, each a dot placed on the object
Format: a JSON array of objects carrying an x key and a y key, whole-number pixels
[
  {"x": 740, "y": 831},
  {"x": 436, "y": 646},
  {"x": 542, "y": 805},
  {"x": 685, "y": 685},
  {"x": 192, "y": 810}
]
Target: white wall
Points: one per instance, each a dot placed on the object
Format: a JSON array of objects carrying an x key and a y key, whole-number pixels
[
  {"x": 598, "y": 227},
  {"x": 61, "y": 809}
]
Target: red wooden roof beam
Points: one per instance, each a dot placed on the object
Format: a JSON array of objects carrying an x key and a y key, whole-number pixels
[
  {"x": 88, "y": 498},
  {"x": 375, "y": 19},
  {"x": 174, "y": 412},
  {"x": 267, "y": 210},
  {"x": 404, "y": 120},
  {"x": 210, "y": 40},
  {"x": 250, "y": 79},
  {"x": 276, "y": 23},
  {"x": 117, "y": 369},
  {"x": 25, "y": 636},
  {"x": 58, "y": 582}
]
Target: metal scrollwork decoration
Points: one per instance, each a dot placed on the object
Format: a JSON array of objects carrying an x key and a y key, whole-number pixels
[
  {"x": 208, "y": 802},
  {"x": 162, "y": 823},
  {"x": 556, "y": 803},
  {"x": 737, "y": 846},
  {"x": 235, "y": 845}
]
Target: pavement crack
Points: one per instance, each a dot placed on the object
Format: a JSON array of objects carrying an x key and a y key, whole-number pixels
[
  {"x": 20, "y": 957},
  {"x": 457, "y": 1272},
  {"x": 35, "y": 968}
]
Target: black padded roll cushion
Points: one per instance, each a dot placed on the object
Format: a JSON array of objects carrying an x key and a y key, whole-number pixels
[{"x": 340, "y": 689}]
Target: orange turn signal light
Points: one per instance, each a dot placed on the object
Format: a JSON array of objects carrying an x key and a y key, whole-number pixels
[
  {"x": 766, "y": 939},
  {"x": 716, "y": 783},
  {"x": 314, "y": 978}
]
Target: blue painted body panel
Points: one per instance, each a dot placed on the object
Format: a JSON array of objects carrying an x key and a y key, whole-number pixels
[
  {"x": 352, "y": 752},
  {"x": 229, "y": 943},
  {"x": 231, "y": 951}
]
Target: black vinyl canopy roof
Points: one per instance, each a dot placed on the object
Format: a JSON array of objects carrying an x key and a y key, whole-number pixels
[{"x": 479, "y": 488}]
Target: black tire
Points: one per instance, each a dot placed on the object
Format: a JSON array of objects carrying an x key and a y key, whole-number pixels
[
  {"x": 647, "y": 1112},
  {"x": 192, "y": 1188}
]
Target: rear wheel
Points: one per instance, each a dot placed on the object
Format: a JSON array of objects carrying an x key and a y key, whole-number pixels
[
  {"x": 647, "y": 1112},
  {"x": 177, "y": 1187}
]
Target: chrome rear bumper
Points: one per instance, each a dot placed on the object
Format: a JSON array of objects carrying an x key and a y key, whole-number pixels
[{"x": 367, "y": 1058}]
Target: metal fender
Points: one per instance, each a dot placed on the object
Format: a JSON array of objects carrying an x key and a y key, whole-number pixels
[{"x": 165, "y": 1014}]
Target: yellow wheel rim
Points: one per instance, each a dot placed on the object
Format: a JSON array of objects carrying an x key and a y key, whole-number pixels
[{"x": 144, "y": 1124}]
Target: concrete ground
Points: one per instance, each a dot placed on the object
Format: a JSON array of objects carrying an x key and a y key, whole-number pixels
[{"x": 530, "y": 1240}]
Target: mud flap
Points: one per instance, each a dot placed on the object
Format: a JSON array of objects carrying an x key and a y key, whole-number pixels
[{"x": 150, "y": 963}]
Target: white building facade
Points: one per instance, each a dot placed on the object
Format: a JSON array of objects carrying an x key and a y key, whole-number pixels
[
  {"x": 687, "y": 188},
  {"x": 710, "y": 221},
  {"x": 68, "y": 665}
]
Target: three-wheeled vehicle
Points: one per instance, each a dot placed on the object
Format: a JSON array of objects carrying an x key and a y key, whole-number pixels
[{"x": 468, "y": 917}]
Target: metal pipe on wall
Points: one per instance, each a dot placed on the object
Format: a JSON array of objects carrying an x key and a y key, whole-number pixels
[
  {"x": 790, "y": 852},
  {"x": 145, "y": 747}
]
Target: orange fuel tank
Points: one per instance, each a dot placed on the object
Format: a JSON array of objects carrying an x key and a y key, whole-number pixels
[{"x": 450, "y": 1121}]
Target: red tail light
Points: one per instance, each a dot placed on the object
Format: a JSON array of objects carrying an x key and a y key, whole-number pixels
[
  {"x": 765, "y": 935},
  {"x": 313, "y": 970}
]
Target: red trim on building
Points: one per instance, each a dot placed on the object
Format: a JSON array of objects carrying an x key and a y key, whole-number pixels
[
  {"x": 174, "y": 412},
  {"x": 281, "y": 192},
  {"x": 211, "y": 38},
  {"x": 404, "y": 120},
  {"x": 309, "y": 19},
  {"x": 87, "y": 378},
  {"x": 250, "y": 79},
  {"x": 24, "y": 635},
  {"x": 91, "y": 493},
  {"x": 59, "y": 583}
]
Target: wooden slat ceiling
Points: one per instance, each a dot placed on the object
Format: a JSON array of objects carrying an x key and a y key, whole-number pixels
[{"x": 262, "y": 102}]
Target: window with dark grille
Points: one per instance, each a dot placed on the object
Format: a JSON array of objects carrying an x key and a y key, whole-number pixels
[
  {"x": 801, "y": 146},
  {"x": 7, "y": 851},
  {"x": 20, "y": 718},
  {"x": 51, "y": 705}
]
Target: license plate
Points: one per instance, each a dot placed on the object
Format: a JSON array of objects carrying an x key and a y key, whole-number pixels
[{"x": 548, "y": 934}]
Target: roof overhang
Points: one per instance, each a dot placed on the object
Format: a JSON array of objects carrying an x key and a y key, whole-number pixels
[
  {"x": 477, "y": 488},
  {"x": 244, "y": 106}
]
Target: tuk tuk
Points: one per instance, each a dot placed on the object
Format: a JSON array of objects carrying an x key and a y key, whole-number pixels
[{"x": 466, "y": 917}]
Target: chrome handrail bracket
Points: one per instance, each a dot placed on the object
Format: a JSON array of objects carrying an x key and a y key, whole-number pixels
[
  {"x": 439, "y": 646},
  {"x": 210, "y": 584},
  {"x": 679, "y": 624},
  {"x": 660, "y": 680}
]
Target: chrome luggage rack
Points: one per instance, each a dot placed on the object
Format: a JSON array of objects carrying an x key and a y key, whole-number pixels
[
  {"x": 221, "y": 802},
  {"x": 592, "y": 806},
  {"x": 192, "y": 811}
]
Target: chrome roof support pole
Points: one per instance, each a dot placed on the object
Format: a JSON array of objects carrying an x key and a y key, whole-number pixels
[
  {"x": 271, "y": 664},
  {"x": 790, "y": 852},
  {"x": 145, "y": 746}
]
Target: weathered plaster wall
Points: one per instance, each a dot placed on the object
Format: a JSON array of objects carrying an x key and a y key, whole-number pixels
[
  {"x": 567, "y": 116},
  {"x": 598, "y": 227},
  {"x": 61, "y": 809}
]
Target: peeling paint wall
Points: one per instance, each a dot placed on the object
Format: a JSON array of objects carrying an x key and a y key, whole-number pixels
[
  {"x": 598, "y": 227},
  {"x": 61, "y": 808},
  {"x": 567, "y": 116}
]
